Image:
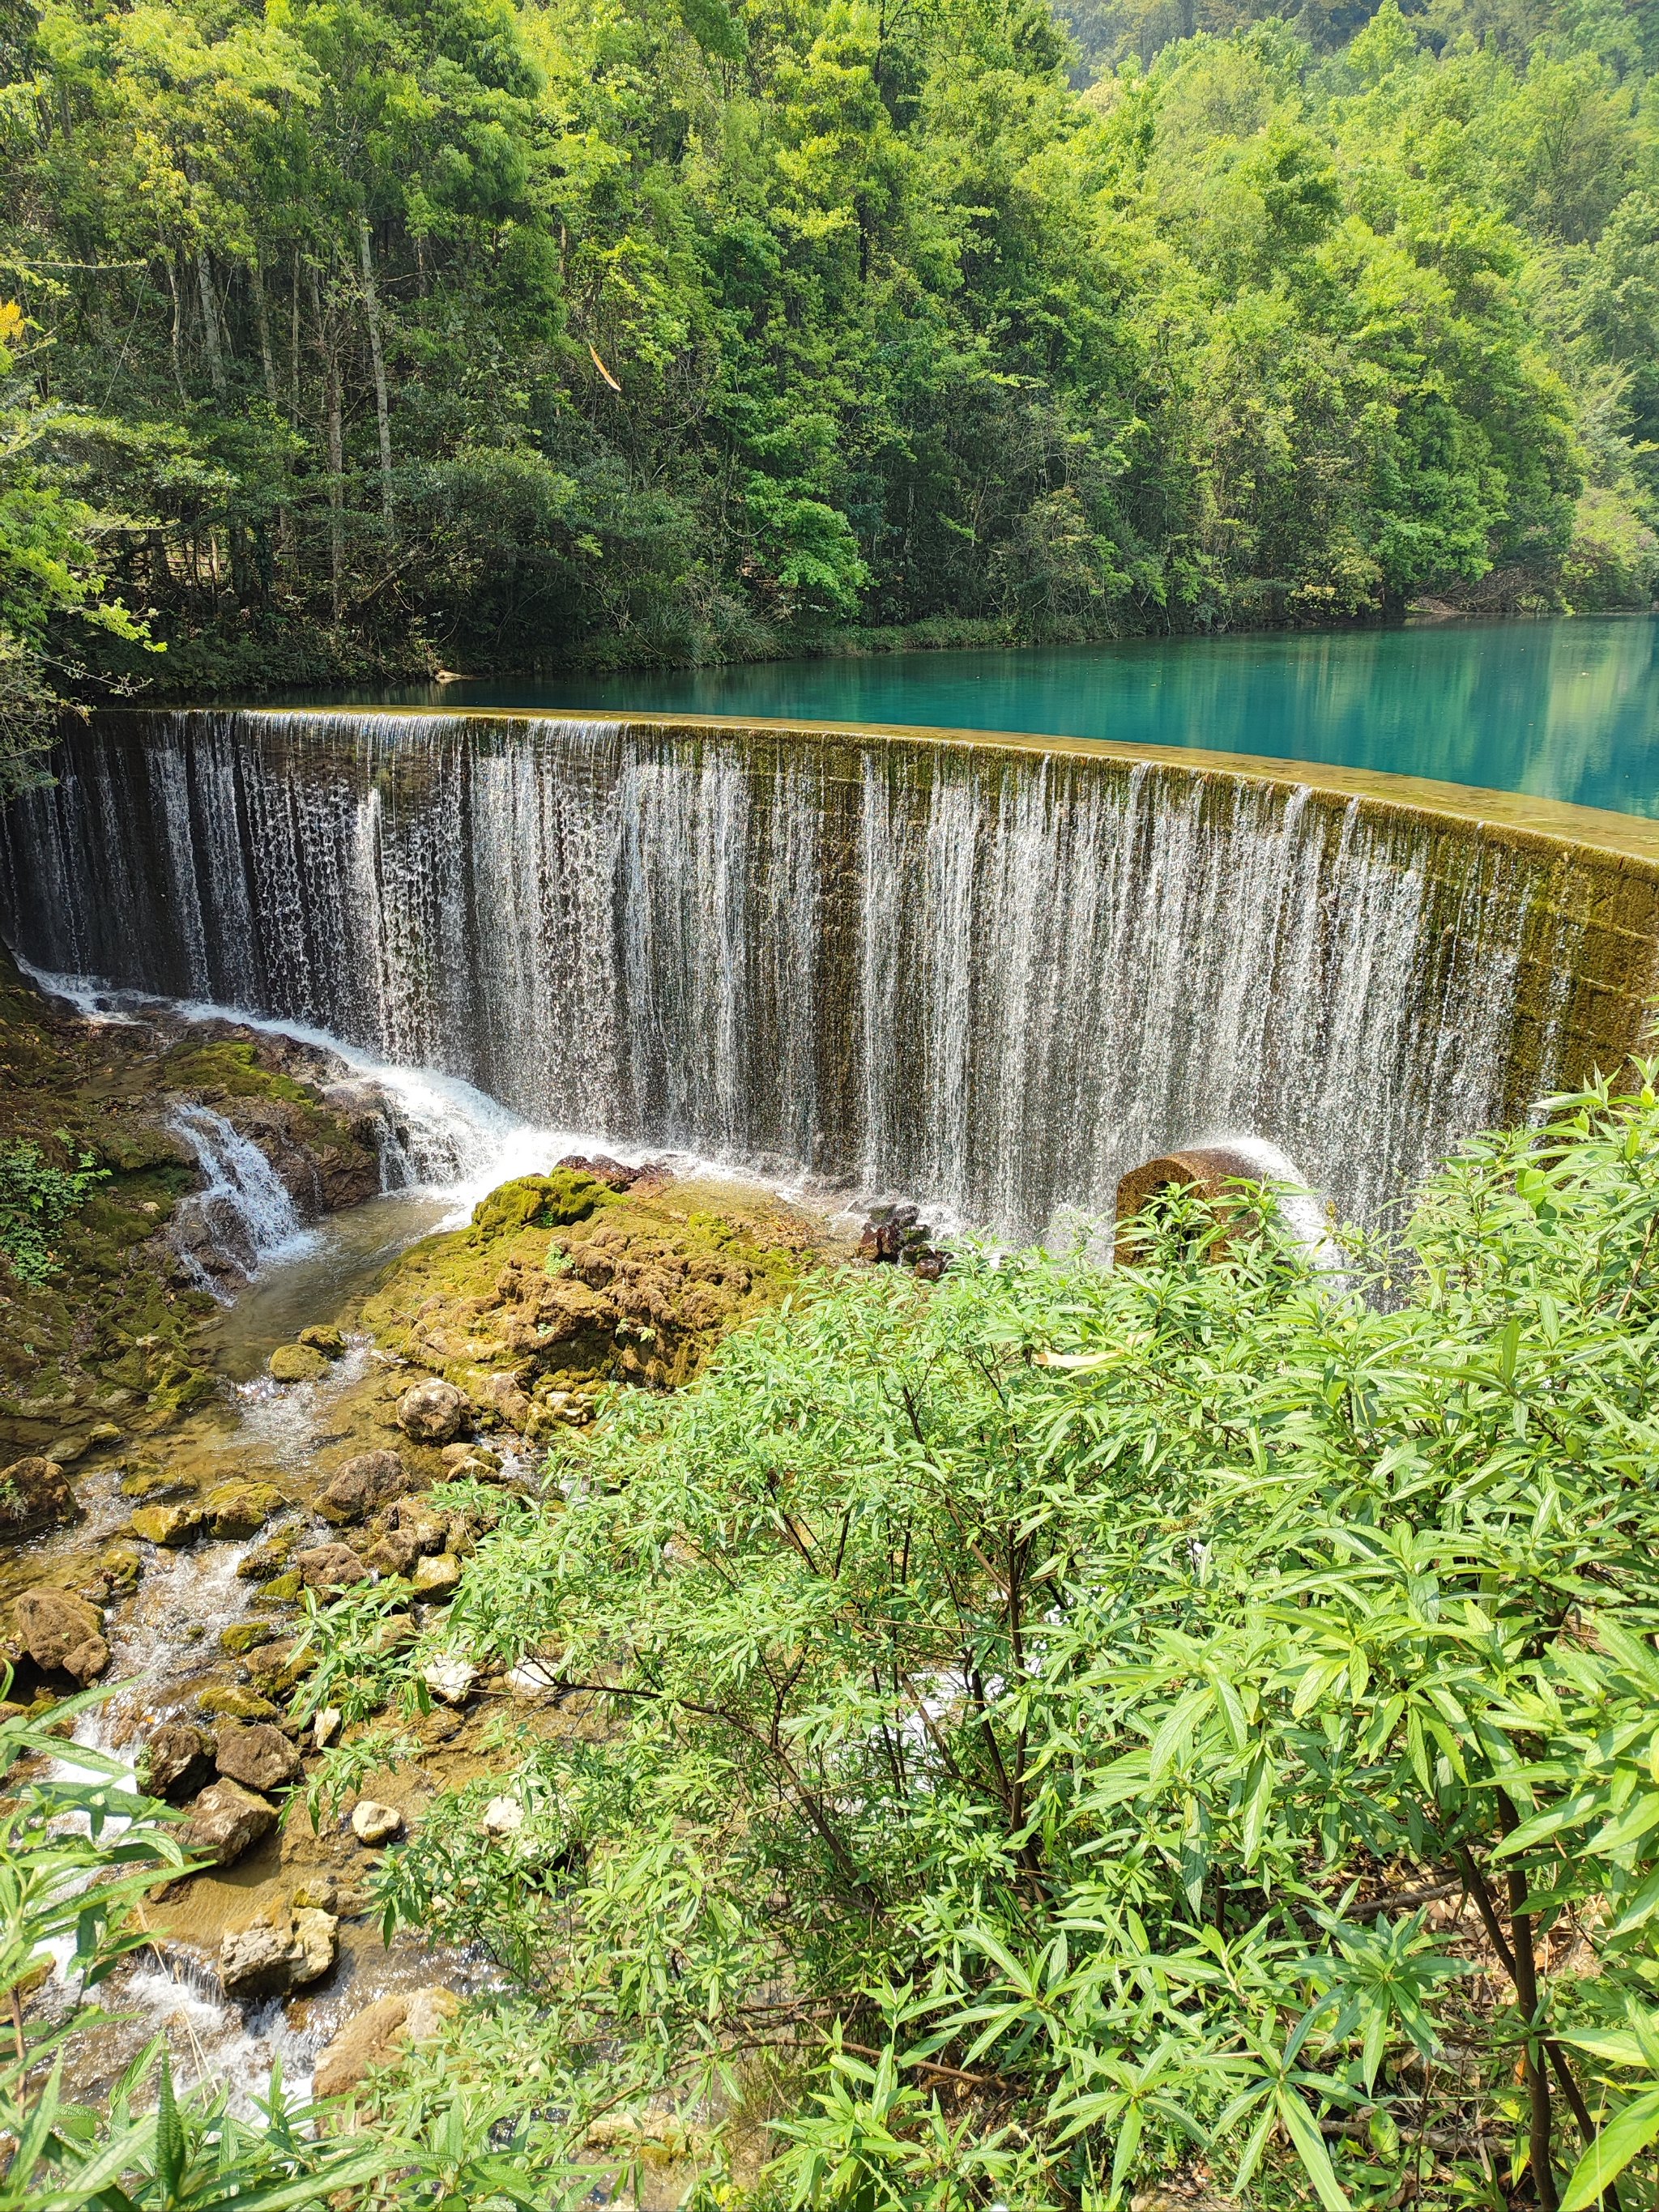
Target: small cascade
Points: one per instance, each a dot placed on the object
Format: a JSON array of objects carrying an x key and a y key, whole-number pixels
[
  {"x": 992, "y": 978},
  {"x": 242, "y": 1216}
]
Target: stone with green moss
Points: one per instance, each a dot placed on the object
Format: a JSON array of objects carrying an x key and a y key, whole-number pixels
[
  {"x": 231, "y": 1703},
  {"x": 169, "y": 1525},
  {"x": 155, "y": 1486},
  {"x": 282, "y": 1589},
  {"x": 297, "y": 1363},
  {"x": 245, "y": 1636},
  {"x": 242, "y": 1508}
]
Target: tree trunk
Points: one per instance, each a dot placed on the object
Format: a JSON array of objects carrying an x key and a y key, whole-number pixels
[
  {"x": 336, "y": 437},
  {"x": 382, "y": 413},
  {"x": 262, "y": 325},
  {"x": 177, "y": 320},
  {"x": 215, "y": 359}
]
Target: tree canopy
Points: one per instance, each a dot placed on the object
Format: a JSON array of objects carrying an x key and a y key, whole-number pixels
[{"x": 369, "y": 334}]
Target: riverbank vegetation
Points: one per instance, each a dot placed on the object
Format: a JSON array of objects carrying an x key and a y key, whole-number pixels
[
  {"x": 1052, "y": 1734},
  {"x": 357, "y": 339}
]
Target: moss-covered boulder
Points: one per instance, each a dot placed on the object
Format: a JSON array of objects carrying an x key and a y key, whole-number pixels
[
  {"x": 561, "y": 1282},
  {"x": 35, "y": 1494},
  {"x": 242, "y": 1508},
  {"x": 297, "y": 1363},
  {"x": 170, "y": 1526}
]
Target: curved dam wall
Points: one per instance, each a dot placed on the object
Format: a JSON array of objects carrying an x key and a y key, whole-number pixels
[{"x": 993, "y": 973}]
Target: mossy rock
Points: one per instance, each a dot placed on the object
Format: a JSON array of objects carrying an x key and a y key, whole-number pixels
[
  {"x": 283, "y": 1591},
  {"x": 242, "y": 1508},
  {"x": 331, "y": 1342},
  {"x": 169, "y": 1525},
  {"x": 548, "y": 1201},
  {"x": 235, "y": 1704},
  {"x": 297, "y": 1363},
  {"x": 245, "y": 1636}
]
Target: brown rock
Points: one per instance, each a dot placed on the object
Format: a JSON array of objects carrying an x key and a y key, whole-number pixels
[
  {"x": 276, "y": 1953},
  {"x": 62, "y": 1634},
  {"x": 572, "y": 1308},
  {"x": 329, "y": 1567},
  {"x": 432, "y": 1411},
  {"x": 177, "y": 1761},
  {"x": 374, "y": 2036},
  {"x": 225, "y": 1822},
  {"x": 276, "y": 1667},
  {"x": 35, "y": 1494},
  {"x": 361, "y": 1487},
  {"x": 257, "y": 1755}
]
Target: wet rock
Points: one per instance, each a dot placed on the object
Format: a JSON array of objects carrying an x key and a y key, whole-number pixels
[
  {"x": 225, "y": 1823},
  {"x": 432, "y": 1411},
  {"x": 155, "y": 1485},
  {"x": 372, "y": 1823},
  {"x": 319, "y": 1337},
  {"x": 436, "y": 1578},
  {"x": 451, "y": 1680},
  {"x": 362, "y": 1485},
  {"x": 112, "y": 1573},
  {"x": 296, "y": 1363},
  {"x": 236, "y": 1704},
  {"x": 276, "y": 1953},
  {"x": 242, "y": 1637},
  {"x": 35, "y": 1494},
  {"x": 63, "y": 1635},
  {"x": 260, "y": 1756},
  {"x": 329, "y": 1567},
  {"x": 170, "y": 1526},
  {"x": 263, "y": 1561},
  {"x": 177, "y": 1760},
  {"x": 242, "y": 1508},
  {"x": 374, "y": 2036}
]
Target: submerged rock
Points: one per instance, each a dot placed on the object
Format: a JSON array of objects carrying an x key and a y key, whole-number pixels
[
  {"x": 35, "y": 1495},
  {"x": 177, "y": 1761},
  {"x": 374, "y": 2036},
  {"x": 257, "y": 1755},
  {"x": 225, "y": 1823},
  {"x": 62, "y": 1634}
]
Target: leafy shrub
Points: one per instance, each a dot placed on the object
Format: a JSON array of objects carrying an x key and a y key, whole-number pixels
[
  {"x": 36, "y": 1199},
  {"x": 1065, "y": 1723}
]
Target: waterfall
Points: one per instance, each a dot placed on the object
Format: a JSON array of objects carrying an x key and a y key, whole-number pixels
[
  {"x": 992, "y": 976},
  {"x": 243, "y": 1214}
]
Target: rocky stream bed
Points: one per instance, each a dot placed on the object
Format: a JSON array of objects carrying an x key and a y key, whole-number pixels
[{"x": 276, "y": 1324}]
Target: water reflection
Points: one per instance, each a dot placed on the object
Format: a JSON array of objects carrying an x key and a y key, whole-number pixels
[{"x": 1561, "y": 709}]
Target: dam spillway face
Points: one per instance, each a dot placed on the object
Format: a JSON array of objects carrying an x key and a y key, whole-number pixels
[{"x": 995, "y": 974}]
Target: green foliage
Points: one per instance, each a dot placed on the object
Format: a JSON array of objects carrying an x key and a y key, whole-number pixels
[
  {"x": 497, "y": 332},
  {"x": 36, "y": 1199},
  {"x": 1043, "y": 1708}
]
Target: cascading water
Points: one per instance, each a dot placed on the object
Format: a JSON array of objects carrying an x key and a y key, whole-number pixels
[
  {"x": 994, "y": 977},
  {"x": 243, "y": 1216}
]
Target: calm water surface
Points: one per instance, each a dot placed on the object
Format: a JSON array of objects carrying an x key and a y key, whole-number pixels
[{"x": 1566, "y": 710}]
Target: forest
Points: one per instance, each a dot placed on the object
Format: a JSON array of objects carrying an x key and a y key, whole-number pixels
[{"x": 358, "y": 339}]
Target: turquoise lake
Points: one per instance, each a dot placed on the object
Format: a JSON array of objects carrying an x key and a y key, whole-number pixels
[{"x": 1561, "y": 709}]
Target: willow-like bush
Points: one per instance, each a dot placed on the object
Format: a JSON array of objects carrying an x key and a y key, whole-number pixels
[{"x": 1051, "y": 1726}]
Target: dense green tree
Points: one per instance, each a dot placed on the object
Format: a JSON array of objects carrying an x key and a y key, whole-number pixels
[{"x": 495, "y": 331}]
